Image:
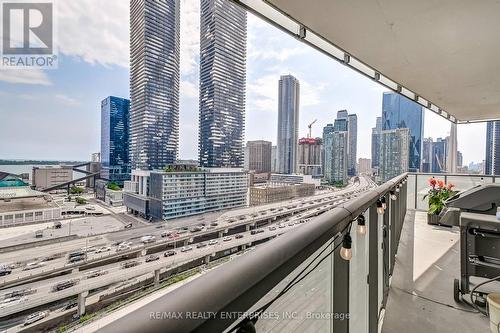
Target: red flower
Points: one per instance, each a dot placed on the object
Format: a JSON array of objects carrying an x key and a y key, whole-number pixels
[
  {"x": 450, "y": 186},
  {"x": 440, "y": 183},
  {"x": 432, "y": 182}
]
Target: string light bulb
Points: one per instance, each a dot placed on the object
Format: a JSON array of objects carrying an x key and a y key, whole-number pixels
[
  {"x": 397, "y": 188},
  {"x": 380, "y": 208},
  {"x": 393, "y": 196},
  {"x": 345, "y": 250},
  {"x": 384, "y": 204},
  {"x": 361, "y": 225}
]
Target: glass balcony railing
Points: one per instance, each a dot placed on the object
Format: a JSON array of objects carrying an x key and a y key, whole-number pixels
[
  {"x": 418, "y": 185},
  {"x": 298, "y": 282}
]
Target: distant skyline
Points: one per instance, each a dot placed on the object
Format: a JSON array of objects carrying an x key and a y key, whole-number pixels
[{"x": 55, "y": 114}]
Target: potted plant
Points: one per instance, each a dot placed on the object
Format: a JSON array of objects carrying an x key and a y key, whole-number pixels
[{"x": 437, "y": 195}]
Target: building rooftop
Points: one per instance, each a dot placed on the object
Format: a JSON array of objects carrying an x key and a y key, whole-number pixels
[{"x": 14, "y": 199}]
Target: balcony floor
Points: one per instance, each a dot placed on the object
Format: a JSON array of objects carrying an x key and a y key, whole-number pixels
[{"x": 427, "y": 262}]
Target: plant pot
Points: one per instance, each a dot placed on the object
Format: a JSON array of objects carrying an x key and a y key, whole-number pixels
[{"x": 433, "y": 219}]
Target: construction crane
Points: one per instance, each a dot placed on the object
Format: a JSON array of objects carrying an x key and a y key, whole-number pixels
[{"x": 310, "y": 127}]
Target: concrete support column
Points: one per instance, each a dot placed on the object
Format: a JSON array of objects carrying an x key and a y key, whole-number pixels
[
  {"x": 143, "y": 252},
  {"x": 244, "y": 246},
  {"x": 247, "y": 227},
  {"x": 157, "y": 277},
  {"x": 81, "y": 303},
  {"x": 207, "y": 259},
  {"x": 186, "y": 242},
  {"x": 221, "y": 233}
]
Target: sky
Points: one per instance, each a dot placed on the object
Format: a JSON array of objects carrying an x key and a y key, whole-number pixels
[{"x": 55, "y": 114}]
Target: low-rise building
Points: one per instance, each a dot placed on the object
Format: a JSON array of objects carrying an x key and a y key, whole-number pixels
[
  {"x": 48, "y": 176},
  {"x": 178, "y": 192},
  {"x": 21, "y": 205},
  {"x": 294, "y": 178},
  {"x": 275, "y": 192},
  {"x": 111, "y": 197}
]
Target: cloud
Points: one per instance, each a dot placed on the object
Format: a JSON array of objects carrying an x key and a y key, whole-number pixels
[
  {"x": 190, "y": 36},
  {"x": 64, "y": 99},
  {"x": 95, "y": 31},
  {"x": 188, "y": 89},
  {"x": 278, "y": 55},
  {"x": 25, "y": 76}
]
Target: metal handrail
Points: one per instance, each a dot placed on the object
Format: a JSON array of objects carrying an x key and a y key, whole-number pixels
[{"x": 239, "y": 284}]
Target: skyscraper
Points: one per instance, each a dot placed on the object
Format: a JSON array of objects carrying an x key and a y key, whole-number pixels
[
  {"x": 451, "y": 151},
  {"x": 327, "y": 129},
  {"x": 288, "y": 123},
  {"x": 154, "y": 83},
  {"x": 394, "y": 153},
  {"x": 460, "y": 159},
  {"x": 439, "y": 154},
  {"x": 400, "y": 112},
  {"x": 352, "y": 129},
  {"x": 492, "y": 161},
  {"x": 427, "y": 155},
  {"x": 223, "y": 28},
  {"x": 259, "y": 155},
  {"x": 376, "y": 144},
  {"x": 335, "y": 171},
  {"x": 309, "y": 156},
  {"x": 115, "y": 139}
]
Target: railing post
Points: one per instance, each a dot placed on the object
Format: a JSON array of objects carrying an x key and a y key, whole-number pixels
[
  {"x": 415, "y": 192},
  {"x": 340, "y": 291},
  {"x": 373, "y": 270}
]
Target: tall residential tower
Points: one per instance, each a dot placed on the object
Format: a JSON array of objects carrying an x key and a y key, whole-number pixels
[
  {"x": 492, "y": 161},
  {"x": 223, "y": 40},
  {"x": 288, "y": 123},
  {"x": 154, "y": 83}
]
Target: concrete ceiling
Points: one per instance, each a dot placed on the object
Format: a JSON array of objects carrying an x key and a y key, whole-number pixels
[{"x": 446, "y": 51}]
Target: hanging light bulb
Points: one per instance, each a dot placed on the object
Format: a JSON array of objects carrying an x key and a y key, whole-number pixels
[
  {"x": 397, "y": 188},
  {"x": 384, "y": 204},
  {"x": 361, "y": 225},
  {"x": 345, "y": 250},
  {"x": 380, "y": 208},
  {"x": 393, "y": 196}
]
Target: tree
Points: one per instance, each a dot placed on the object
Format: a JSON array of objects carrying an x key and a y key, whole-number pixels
[
  {"x": 80, "y": 201},
  {"x": 76, "y": 190},
  {"x": 113, "y": 186}
]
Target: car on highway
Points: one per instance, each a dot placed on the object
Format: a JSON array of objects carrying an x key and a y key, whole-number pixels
[
  {"x": 271, "y": 228},
  {"x": 169, "y": 253},
  {"x": 65, "y": 285},
  {"x": 291, "y": 224},
  {"x": 227, "y": 238},
  {"x": 200, "y": 245},
  {"x": 281, "y": 226},
  {"x": 182, "y": 231},
  {"x": 39, "y": 234},
  {"x": 32, "y": 265},
  {"x": 5, "y": 270},
  {"x": 164, "y": 234},
  {"x": 256, "y": 231},
  {"x": 213, "y": 242},
  {"x": 148, "y": 239},
  {"x": 34, "y": 317},
  {"x": 10, "y": 301},
  {"x": 186, "y": 248},
  {"x": 76, "y": 254},
  {"x": 152, "y": 257},
  {"x": 70, "y": 306},
  {"x": 57, "y": 225},
  {"x": 238, "y": 236},
  {"x": 103, "y": 249},
  {"x": 196, "y": 228},
  {"x": 96, "y": 273},
  {"x": 129, "y": 264},
  {"x": 214, "y": 224},
  {"x": 128, "y": 226},
  {"x": 76, "y": 259},
  {"x": 122, "y": 247},
  {"x": 52, "y": 257}
]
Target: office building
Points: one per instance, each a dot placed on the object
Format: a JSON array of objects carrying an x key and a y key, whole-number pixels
[
  {"x": 309, "y": 156},
  {"x": 294, "y": 179},
  {"x": 288, "y": 123},
  {"x": 336, "y": 147},
  {"x": 275, "y": 192},
  {"x": 274, "y": 161},
  {"x": 439, "y": 154},
  {"x": 183, "y": 191},
  {"x": 460, "y": 159},
  {"x": 48, "y": 176},
  {"x": 154, "y": 83},
  {"x": 394, "y": 153},
  {"x": 326, "y": 130},
  {"x": 115, "y": 163},
  {"x": 365, "y": 166},
  {"x": 352, "y": 151},
  {"x": 259, "y": 156},
  {"x": 400, "y": 112},
  {"x": 492, "y": 160},
  {"x": 426, "y": 159},
  {"x": 223, "y": 43},
  {"x": 375, "y": 149},
  {"x": 340, "y": 123}
]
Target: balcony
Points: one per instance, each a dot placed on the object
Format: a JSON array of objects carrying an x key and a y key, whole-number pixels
[{"x": 400, "y": 277}]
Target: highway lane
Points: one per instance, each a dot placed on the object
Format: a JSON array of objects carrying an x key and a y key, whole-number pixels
[{"x": 248, "y": 215}]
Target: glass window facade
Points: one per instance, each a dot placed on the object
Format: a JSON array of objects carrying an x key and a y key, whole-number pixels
[{"x": 400, "y": 112}]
